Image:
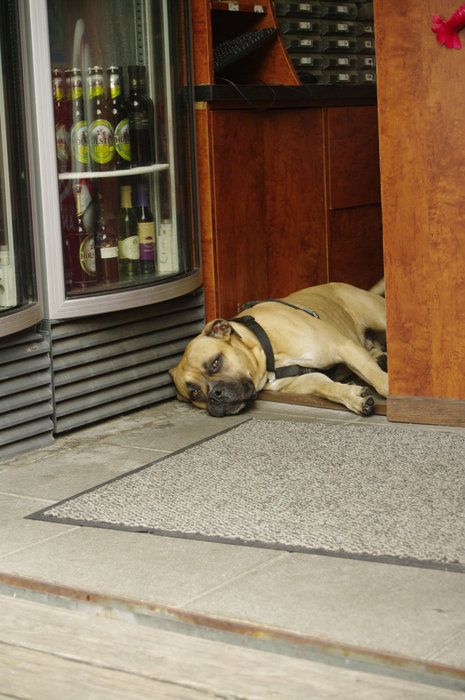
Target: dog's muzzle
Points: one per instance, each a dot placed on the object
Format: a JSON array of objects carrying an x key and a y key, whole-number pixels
[{"x": 229, "y": 398}]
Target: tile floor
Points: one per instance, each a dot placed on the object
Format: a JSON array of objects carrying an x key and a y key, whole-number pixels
[{"x": 328, "y": 603}]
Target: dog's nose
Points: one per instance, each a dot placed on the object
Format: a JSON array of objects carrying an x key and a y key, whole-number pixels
[{"x": 219, "y": 391}]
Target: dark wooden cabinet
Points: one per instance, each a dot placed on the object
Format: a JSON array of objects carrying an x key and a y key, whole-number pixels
[
  {"x": 273, "y": 218},
  {"x": 289, "y": 176}
]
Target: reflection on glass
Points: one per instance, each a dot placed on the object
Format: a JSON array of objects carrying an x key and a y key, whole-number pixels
[{"x": 17, "y": 275}]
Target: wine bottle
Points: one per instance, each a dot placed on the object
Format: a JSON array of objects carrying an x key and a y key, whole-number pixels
[
  {"x": 145, "y": 231},
  {"x": 128, "y": 243},
  {"x": 106, "y": 240},
  {"x": 141, "y": 126},
  {"x": 151, "y": 113},
  {"x": 167, "y": 244},
  {"x": 120, "y": 113},
  {"x": 101, "y": 132}
]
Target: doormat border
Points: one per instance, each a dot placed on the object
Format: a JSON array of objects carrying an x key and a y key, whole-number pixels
[{"x": 339, "y": 554}]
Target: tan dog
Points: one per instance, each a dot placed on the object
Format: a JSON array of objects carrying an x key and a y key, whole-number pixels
[{"x": 318, "y": 328}]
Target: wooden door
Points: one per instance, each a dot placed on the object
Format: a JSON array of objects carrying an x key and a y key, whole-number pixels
[{"x": 421, "y": 101}]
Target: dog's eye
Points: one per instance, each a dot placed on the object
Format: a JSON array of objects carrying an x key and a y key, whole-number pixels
[
  {"x": 215, "y": 365},
  {"x": 194, "y": 393}
]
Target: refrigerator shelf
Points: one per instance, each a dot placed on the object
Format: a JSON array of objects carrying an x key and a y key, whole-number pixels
[{"x": 89, "y": 174}]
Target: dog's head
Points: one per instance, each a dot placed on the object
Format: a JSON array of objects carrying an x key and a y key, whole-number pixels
[{"x": 218, "y": 371}]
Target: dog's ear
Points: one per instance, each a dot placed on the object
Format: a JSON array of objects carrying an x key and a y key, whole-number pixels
[{"x": 218, "y": 329}]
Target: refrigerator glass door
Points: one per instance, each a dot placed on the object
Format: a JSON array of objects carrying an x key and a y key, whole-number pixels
[
  {"x": 19, "y": 302},
  {"x": 114, "y": 131}
]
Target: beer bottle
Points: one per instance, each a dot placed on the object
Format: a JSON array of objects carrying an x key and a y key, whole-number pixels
[
  {"x": 79, "y": 143},
  {"x": 129, "y": 253},
  {"x": 120, "y": 118},
  {"x": 141, "y": 126},
  {"x": 145, "y": 231},
  {"x": 82, "y": 251},
  {"x": 60, "y": 109},
  {"x": 68, "y": 230},
  {"x": 106, "y": 238},
  {"x": 101, "y": 132}
]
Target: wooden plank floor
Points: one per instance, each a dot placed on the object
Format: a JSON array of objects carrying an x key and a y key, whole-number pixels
[
  {"x": 317, "y": 402},
  {"x": 52, "y": 653}
]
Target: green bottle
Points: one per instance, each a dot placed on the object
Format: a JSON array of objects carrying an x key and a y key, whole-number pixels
[{"x": 128, "y": 243}]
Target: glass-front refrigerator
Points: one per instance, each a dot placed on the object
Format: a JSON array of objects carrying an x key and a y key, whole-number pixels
[
  {"x": 20, "y": 292},
  {"x": 104, "y": 122},
  {"x": 25, "y": 378},
  {"x": 115, "y": 153}
]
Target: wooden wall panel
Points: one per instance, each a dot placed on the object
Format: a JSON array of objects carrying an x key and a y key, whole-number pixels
[
  {"x": 355, "y": 248},
  {"x": 240, "y": 236},
  {"x": 353, "y": 156},
  {"x": 269, "y": 228},
  {"x": 421, "y": 104},
  {"x": 295, "y": 199},
  {"x": 205, "y": 198}
]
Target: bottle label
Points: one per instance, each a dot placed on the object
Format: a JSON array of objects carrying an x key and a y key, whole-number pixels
[
  {"x": 87, "y": 256},
  {"x": 115, "y": 90},
  {"x": 122, "y": 143},
  {"x": 101, "y": 141},
  {"x": 110, "y": 252},
  {"x": 146, "y": 234},
  {"x": 58, "y": 92},
  {"x": 96, "y": 88},
  {"x": 140, "y": 121},
  {"x": 76, "y": 90},
  {"x": 129, "y": 248},
  {"x": 79, "y": 144}
]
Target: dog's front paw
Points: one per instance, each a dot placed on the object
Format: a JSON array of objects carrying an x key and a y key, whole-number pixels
[
  {"x": 359, "y": 399},
  {"x": 367, "y": 402}
]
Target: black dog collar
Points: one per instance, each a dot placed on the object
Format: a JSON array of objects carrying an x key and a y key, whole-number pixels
[{"x": 255, "y": 327}]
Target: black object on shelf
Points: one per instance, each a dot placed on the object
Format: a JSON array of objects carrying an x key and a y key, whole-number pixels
[
  {"x": 306, "y": 94},
  {"x": 230, "y": 51}
]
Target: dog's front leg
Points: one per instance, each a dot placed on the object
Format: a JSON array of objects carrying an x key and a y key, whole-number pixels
[
  {"x": 355, "y": 398},
  {"x": 360, "y": 361}
]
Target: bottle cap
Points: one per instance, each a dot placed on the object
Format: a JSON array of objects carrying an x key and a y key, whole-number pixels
[{"x": 126, "y": 196}]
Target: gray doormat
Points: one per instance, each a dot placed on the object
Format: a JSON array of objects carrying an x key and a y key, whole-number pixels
[{"x": 361, "y": 491}]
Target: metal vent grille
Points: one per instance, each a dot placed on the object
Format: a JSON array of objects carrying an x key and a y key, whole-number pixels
[
  {"x": 110, "y": 364},
  {"x": 26, "y": 407}
]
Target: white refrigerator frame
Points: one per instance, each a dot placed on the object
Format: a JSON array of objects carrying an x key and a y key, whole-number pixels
[
  {"x": 57, "y": 306},
  {"x": 32, "y": 313}
]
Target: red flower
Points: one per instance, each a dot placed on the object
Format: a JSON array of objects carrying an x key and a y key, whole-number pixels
[{"x": 446, "y": 30}]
